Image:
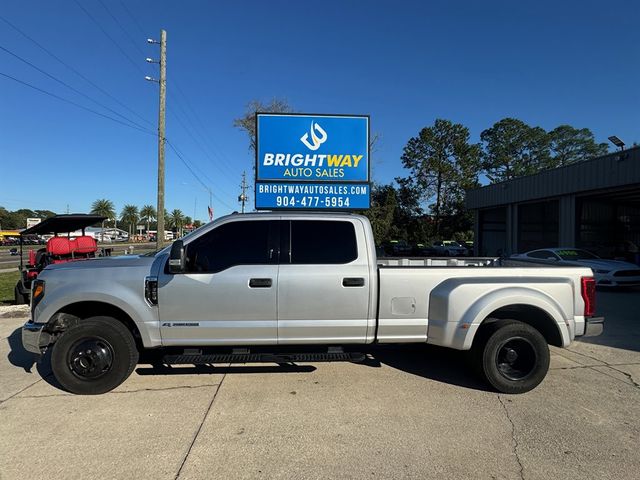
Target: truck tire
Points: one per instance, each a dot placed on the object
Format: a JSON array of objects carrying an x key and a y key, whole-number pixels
[
  {"x": 19, "y": 297},
  {"x": 94, "y": 356},
  {"x": 511, "y": 355}
]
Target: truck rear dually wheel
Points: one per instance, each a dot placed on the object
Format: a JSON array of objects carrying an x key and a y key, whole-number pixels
[
  {"x": 512, "y": 356},
  {"x": 94, "y": 356}
]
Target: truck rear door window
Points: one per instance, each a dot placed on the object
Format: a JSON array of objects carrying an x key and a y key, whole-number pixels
[
  {"x": 236, "y": 243},
  {"x": 323, "y": 242}
]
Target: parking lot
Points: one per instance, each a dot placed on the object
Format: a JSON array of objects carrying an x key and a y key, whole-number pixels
[{"x": 409, "y": 412}]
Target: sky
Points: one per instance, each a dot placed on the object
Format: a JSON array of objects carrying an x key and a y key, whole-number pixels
[{"x": 404, "y": 63}]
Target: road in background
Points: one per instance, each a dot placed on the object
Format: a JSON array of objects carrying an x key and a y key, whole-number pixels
[{"x": 9, "y": 262}]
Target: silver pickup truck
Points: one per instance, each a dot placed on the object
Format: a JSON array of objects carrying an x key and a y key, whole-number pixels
[{"x": 298, "y": 287}]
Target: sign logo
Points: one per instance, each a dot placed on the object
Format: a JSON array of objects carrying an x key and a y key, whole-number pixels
[{"x": 317, "y": 141}]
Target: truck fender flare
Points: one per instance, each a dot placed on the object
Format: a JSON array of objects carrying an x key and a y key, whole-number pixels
[
  {"x": 485, "y": 305},
  {"x": 149, "y": 336}
]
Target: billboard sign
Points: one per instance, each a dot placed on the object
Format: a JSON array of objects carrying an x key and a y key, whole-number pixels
[{"x": 298, "y": 156}]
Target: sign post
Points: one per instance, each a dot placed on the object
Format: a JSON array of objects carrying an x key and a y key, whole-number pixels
[{"x": 312, "y": 162}]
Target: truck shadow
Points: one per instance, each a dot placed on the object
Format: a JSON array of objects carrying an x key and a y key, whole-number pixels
[
  {"x": 21, "y": 358},
  {"x": 427, "y": 361},
  {"x": 439, "y": 364},
  {"x": 18, "y": 356}
]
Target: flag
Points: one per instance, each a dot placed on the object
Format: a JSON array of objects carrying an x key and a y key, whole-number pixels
[{"x": 210, "y": 213}]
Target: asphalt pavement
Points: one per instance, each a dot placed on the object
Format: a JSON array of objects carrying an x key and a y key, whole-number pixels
[{"x": 408, "y": 412}]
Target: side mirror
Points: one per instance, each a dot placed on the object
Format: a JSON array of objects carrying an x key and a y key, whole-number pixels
[{"x": 177, "y": 257}]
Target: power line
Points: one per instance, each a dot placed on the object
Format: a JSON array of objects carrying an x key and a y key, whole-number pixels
[
  {"x": 90, "y": 82},
  {"x": 69, "y": 86},
  {"x": 186, "y": 164},
  {"x": 202, "y": 133},
  {"x": 133, "y": 18},
  {"x": 133, "y": 42},
  {"x": 199, "y": 171},
  {"x": 95, "y": 112},
  {"x": 109, "y": 37},
  {"x": 202, "y": 146},
  {"x": 197, "y": 142}
]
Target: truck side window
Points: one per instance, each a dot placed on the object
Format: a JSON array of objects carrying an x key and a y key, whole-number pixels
[
  {"x": 323, "y": 242},
  {"x": 235, "y": 243}
]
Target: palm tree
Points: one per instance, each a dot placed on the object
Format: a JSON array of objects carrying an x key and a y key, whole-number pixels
[
  {"x": 130, "y": 217},
  {"x": 148, "y": 213},
  {"x": 176, "y": 219},
  {"x": 104, "y": 208}
]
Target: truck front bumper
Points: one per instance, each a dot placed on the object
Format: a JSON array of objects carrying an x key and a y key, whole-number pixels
[
  {"x": 593, "y": 326},
  {"x": 34, "y": 339}
]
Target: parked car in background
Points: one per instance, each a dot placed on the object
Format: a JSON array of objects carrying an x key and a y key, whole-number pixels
[
  {"x": 397, "y": 248},
  {"x": 608, "y": 273},
  {"x": 423, "y": 250},
  {"x": 450, "y": 248}
]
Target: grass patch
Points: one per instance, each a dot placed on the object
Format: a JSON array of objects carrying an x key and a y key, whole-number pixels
[{"x": 7, "y": 284}]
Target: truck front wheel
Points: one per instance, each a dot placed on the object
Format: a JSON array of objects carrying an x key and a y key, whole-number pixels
[
  {"x": 94, "y": 356},
  {"x": 512, "y": 356}
]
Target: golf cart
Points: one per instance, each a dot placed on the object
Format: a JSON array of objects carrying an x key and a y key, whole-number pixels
[{"x": 58, "y": 249}]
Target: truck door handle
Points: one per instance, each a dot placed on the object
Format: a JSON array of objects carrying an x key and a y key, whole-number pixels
[
  {"x": 260, "y": 283},
  {"x": 353, "y": 282}
]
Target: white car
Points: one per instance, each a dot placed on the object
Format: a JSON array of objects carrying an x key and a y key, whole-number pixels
[
  {"x": 450, "y": 248},
  {"x": 608, "y": 273}
]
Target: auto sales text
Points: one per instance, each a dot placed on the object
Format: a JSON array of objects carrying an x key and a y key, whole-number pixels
[{"x": 312, "y": 165}]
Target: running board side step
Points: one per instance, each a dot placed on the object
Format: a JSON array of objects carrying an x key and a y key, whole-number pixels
[{"x": 282, "y": 358}]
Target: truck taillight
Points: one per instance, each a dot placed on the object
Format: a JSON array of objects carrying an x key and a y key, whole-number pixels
[{"x": 588, "y": 291}]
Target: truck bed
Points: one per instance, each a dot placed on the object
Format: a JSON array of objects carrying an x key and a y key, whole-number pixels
[{"x": 439, "y": 262}]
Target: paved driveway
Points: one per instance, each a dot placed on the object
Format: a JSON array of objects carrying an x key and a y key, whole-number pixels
[{"x": 412, "y": 412}]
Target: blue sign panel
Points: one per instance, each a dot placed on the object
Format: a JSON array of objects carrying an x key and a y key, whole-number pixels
[
  {"x": 312, "y": 196},
  {"x": 312, "y": 148}
]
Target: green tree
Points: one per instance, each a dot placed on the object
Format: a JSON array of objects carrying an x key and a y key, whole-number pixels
[
  {"x": 442, "y": 164},
  {"x": 129, "y": 216},
  {"x": 513, "y": 149},
  {"x": 570, "y": 145},
  {"x": 247, "y": 122},
  {"x": 382, "y": 210},
  {"x": 176, "y": 219},
  {"x": 104, "y": 208},
  {"x": 148, "y": 213}
]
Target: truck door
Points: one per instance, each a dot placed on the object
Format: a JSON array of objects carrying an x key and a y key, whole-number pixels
[
  {"x": 323, "y": 283},
  {"x": 228, "y": 293}
]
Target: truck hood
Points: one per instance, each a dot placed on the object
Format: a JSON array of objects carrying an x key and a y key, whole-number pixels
[{"x": 105, "y": 262}]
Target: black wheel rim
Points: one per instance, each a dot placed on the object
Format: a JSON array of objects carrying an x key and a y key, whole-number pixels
[
  {"x": 516, "y": 358},
  {"x": 90, "y": 358}
]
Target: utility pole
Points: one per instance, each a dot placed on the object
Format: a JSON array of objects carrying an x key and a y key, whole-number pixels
[
  {"x": 161, "y": 130},
  {"x": 242, "y": 198}
]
